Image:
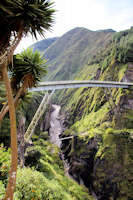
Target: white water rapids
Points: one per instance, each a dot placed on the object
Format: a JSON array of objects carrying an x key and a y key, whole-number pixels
[{"x": 55, "y": 127}]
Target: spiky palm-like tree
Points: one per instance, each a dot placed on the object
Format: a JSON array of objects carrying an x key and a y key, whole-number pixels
[
  {"x": 17, "y": 18},
  {"x": 28, "y": 70}
]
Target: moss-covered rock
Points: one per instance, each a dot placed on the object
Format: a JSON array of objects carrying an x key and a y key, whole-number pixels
[
  {"x": 32, "y": 155},
  {"x": 112, "y": 176},
  {"x": 44, "y": 135}
]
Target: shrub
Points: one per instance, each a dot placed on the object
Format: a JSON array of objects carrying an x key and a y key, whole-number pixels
[
  {"x": 50, "y": 184},
  {"x": 32, "y": 184},
  {"x": 35, "y": 137},
  {"x": 2, "y": 190},
  {"x": 5, "y": 162},
  {"x": 46, "y": 168},
  {"x": 106, "y": 62},
  {"x": 44, "y": 135},
  {"x": 32, "y": 155}
]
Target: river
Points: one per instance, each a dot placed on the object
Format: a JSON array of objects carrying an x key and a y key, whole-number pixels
[
  {"x": 54, "y": 132},
  {"x": 55, "y": 127}
]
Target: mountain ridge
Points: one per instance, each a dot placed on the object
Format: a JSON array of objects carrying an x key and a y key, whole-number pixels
[
  {"x": 43, "y": 44},
  {"x": 70, "y": 52}
]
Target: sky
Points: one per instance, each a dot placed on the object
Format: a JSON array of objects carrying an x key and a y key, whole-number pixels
[{"x": 91, "y": 14}]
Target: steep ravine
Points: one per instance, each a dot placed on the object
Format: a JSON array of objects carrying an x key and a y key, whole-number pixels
[
  {"x": 100, "y": 159},
  {"x": 55, "y": 131},
  {"x": 57, "y": 126},
  {"x": 103, "y": 159}
]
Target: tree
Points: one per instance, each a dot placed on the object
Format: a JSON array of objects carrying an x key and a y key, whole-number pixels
[
  {"x": 17, "y": 18},
  {"x": 27, "y": 71}
]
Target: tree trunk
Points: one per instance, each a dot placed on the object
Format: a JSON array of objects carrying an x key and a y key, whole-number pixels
[
  {"x": 14, "y": 160},
  {"x": 6, "y": 109}
]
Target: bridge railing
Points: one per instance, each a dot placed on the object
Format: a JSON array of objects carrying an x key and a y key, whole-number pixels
[{"x": 56, "y": 85}]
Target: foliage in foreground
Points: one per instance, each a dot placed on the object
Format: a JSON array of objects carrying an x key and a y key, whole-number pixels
[{"x": 49, "y": 182}]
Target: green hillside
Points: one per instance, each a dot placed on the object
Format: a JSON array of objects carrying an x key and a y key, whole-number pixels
[
  {"x": 71, "y": 52},
  {"x": 43, "y": 44}
]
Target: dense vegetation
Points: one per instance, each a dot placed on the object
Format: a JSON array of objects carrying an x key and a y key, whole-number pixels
[
  {"x": 119, "y": 49},
  {"x": 5, "y": 126},
  {"x": 43, "y": 177}
]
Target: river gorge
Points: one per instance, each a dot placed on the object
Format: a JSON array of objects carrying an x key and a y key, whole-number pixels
[{"x": 55, "y": 131}]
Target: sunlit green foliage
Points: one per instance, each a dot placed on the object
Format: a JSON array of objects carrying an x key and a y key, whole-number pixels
[
  {"x": 47, "y": 181},
  {"x": 118, "y": 49},
  {"x": 2, "y": 190},
  {"x": 28, "y": 69},
  {"x": 5, "y": 162},
  {"x": 35, "y": 185}
]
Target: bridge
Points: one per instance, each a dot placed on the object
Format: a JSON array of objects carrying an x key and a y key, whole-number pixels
[{"x": 56, "y": 85}]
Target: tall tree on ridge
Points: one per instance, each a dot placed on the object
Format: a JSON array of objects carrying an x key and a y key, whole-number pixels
[{"x": 17, "y": 18}]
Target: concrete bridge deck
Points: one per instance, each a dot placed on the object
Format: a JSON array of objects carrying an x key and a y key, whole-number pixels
[{"x": 56, "y": 85}]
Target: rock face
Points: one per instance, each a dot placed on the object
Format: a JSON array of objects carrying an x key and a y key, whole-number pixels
[
  {"x": 104, "y": 162},
  {"x": 81, "y": 166},
  {"x": 81, "y": 159},
  {"x": 106, "y": 174},
  {"x": 45, "y": 125},
  {"x": 128, "y": 77}
]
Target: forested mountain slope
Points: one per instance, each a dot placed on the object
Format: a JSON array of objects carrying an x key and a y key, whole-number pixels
[
  {"x": 70, "y": 52},
  {"x": 102, "y": 153}
]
